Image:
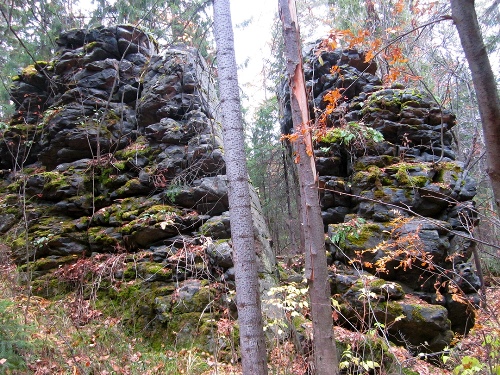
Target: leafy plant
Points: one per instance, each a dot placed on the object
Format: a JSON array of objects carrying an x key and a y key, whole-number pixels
[
  {"x": 468, "y": 366},
  {"x": 40, "y": 242},
  {"x": 352, "y": 227},
  {"x": 286, "y": 322},
  {"x": 292, "y": 300},
  {"x": 173, "y": 190},
  {"x": 354, "y": 364},
  {"x": 356, "y": 135}
]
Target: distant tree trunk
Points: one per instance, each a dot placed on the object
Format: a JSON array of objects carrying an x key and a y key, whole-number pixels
[
  {"x": 252, "y": 343},
  {"x": 296, "y": 239},
  {"x": 325, "y": 352},
  {"x": 465, "y": 18}
]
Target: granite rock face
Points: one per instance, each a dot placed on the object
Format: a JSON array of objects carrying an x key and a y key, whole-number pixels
[
  {"x": 115, "y": 149},
  {"x": 395, "y": 202}
]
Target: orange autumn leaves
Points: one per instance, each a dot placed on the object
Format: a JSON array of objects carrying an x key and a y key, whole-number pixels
[
  {"x": 302, "y": 134},
  {"x": 390, "y": 52},
  {"x": 388, "y": 49}
]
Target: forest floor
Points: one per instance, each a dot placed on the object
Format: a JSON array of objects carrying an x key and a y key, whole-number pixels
[{"x": 40, "y": 336}]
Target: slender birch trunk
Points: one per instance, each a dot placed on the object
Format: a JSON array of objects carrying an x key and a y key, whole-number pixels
[
  {"x": 325, "y": 352},
  {"x": 465, "y": 19},
  {"x": 252, "y": 342}
]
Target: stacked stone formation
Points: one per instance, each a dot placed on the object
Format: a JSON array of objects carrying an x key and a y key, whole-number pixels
[
  {"x": 413, "y": 199},
  {"x": 115, "y": 149}
]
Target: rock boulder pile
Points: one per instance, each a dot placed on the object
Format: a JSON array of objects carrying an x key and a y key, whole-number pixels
[
  {"x": 397, "y": 207},
  {"x": 113, "y": 166},
  {"x": 114, "y": 157}
]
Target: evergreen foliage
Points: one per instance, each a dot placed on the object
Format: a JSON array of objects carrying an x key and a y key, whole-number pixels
[
  {"x": 170, "y": 21},
  {"x": 14, "y": 338},
  {"x": 29, "y": 31}
]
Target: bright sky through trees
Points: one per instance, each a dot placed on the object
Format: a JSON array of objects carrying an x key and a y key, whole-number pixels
[{"x": 252, "y": 24}]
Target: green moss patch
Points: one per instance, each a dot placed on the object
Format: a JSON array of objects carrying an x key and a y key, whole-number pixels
[
  {"x": 352, "y": 134},
  {"x": 148, "y": 271},
  {"x": 48, "y": 263},
  {"x": 411, "y": 174}
]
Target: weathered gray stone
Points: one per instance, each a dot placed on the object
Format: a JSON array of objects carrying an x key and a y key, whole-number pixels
[
  {"x": 424, "y": 326},
  {"x": 405, "y": 194},
  {"x": 7, "y": 221},
  {"x": 126, "y": 135}
]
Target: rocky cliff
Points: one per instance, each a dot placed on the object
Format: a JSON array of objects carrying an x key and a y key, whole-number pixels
[
  {"x": 396, "y": 204},
  {"x": 113, "y": 170},
  {"x": 113, "y": 187}
]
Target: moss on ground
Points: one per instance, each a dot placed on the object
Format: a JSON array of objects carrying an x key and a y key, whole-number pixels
[{"x": 49, "y": 286}]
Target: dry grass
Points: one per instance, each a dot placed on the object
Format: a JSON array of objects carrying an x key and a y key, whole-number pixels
[{"x": 487, "y": 325}]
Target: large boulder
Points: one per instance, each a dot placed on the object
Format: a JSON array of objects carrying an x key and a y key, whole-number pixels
[{"x": 371, "y": 303}]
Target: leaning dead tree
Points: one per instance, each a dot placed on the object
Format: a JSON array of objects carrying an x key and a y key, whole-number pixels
[{"x": 325, "y": 353}]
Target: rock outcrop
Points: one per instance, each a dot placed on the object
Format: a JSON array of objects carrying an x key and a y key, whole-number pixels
[
  {"x": 115, "y": 155},
  {"x": 113, "y": 184},
  {"x": 395, "y": 203}
]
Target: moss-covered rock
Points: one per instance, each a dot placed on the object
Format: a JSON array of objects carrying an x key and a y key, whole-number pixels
[
  {"x": 148, "y": 271},
  {"x": 103, "y": 239},
  {"x": 49, "y": 286},
  {"x": 192, "y": 297},
  {"x": 426, "y": 327},
  {"x": 185, "y": 330},
  {"x": 48, "y": 263},
  {"x": 216, "y": 227}
]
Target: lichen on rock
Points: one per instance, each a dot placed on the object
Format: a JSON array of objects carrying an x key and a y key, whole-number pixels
[
  {"x": 396, "y": 213},
  {"x": 115, "y": 157}
]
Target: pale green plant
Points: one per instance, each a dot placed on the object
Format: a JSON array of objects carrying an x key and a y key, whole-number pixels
[
  {"x": 351, "y": 228},
  {"x": 354, "y": 364},
  {"x": 291, "y": 299},
  {"x": 173, "y": 190},
  {"x": 353, "y": 134},
  {"x": 470, "y": 365},
  {"x": 14, "y": 338},
  {"x": 40, "y": 242}
]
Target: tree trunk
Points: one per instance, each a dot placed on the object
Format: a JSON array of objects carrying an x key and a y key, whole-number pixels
[
  {"x": 252, "y": 343},
  {"x": 325, "y": 352},
  {"x": 465, "y": 18}
]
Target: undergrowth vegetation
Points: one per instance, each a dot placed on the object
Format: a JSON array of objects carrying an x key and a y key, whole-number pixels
[
  {"x": 69, "y": 336},
  {"x": 76, "y": 334}
]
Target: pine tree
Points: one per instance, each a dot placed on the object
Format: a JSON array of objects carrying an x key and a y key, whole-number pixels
[
  {"x": 169, "y": 21},
  {"x": 28, "y": 33}
]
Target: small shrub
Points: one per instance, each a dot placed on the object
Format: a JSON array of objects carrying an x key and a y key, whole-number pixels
[
  {"x": 353, "y": 134},
  {"x": 344, "y": 230},
  {"x": 14, "y": 339}
]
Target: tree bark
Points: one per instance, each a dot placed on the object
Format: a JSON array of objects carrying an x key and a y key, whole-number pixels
[
  {"x": 465, "y": 19},
  {"x": 252, "y": 342},
  {"x": 325, "y": 352}
]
